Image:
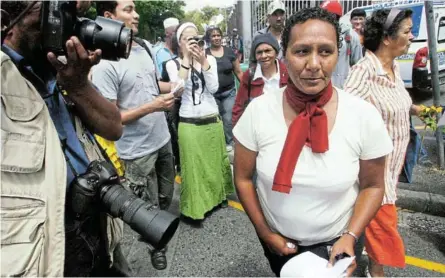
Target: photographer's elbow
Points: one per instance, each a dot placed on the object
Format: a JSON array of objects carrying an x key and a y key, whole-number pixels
[{"x": 117, "y": 134}]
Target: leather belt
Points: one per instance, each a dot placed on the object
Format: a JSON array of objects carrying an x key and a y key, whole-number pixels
[{"x": 200, "y": 121}]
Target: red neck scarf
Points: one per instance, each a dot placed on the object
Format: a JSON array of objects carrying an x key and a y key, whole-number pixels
[{"x": 309, "y": 127}]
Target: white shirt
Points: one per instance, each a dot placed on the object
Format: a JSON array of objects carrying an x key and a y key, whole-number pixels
[
  {"x": 324, "y": 186},
  {"x": 270, "y": 84},
  {"x": 208, "y": 104}
]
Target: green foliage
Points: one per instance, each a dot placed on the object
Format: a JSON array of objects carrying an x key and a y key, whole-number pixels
[
  {"x": 151, "y": 16},
  {"x": 153, "y": 13},
  {"x": 198, "y": 17},
  {"x": 91, "y": 13}
]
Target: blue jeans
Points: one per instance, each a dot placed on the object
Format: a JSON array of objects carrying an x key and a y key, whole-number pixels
[{"x": 225, "y": 101}]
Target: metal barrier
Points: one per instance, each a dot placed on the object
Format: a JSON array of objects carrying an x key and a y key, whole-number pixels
[{"x": 259, "y": 9}]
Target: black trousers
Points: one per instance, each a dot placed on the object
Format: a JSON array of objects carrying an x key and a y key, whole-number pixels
[
  {"x": 173, "y": 123},
  {"x": 277, "y": 262}
]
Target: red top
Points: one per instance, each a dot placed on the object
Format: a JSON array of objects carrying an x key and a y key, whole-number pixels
[{"x": 255, "y": 91}]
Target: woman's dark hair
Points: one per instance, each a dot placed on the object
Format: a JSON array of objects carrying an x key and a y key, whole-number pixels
[
  {"x": 374, "y": 33},
  {"x": 175, "y": 42},
  {"x": 358, "y": 12},
  {"x": 307, "y": 14},
  {"x": 210, "y": 31}
]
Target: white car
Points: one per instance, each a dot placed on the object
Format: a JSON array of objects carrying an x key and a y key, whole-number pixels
[{"x": 414, "y": 66}]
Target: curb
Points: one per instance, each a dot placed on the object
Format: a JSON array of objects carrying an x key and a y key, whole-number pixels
[{"x": 422, "y": 202}]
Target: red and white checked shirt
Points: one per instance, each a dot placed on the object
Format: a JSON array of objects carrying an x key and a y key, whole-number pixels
[{"x": 368, "y": 80}]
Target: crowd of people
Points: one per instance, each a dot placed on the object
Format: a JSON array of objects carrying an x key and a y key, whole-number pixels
[{"x": 317, "y": 98}]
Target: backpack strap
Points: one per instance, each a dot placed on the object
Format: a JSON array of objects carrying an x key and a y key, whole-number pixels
[
  {"x": 144, "y": 45},
  {"x": 178, "y": 66}
]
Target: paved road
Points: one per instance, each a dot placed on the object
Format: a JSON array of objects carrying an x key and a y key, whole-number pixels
[{"x": 226, "y": 245}]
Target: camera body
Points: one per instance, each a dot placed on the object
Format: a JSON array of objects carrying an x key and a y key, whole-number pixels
[
  {"x": 59, "y": 22},
  {"x": 199, "y": 40},
  {"x": 98, "y": 189}
]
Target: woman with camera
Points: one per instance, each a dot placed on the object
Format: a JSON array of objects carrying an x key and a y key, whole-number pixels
[
  {"x": 265, "y": 74},
  {"x": 319, "y": 153},
  {"x": 228, "y": 66},
  {"x": 206, "y": 173}
]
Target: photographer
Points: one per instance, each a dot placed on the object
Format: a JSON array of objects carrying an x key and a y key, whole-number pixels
[
  {"x": 145, "y": 147},
  {"x": 41, "y": 236}
]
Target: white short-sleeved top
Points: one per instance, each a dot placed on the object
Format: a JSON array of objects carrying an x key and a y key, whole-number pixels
[
  {"x": 324, "y": 186},
  {"x": 271, "y": 83}
]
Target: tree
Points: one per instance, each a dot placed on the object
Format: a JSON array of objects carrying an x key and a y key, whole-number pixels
[
  {"x": 151, "y": 16},
  {"x": 153, "y": 13},
  {"x": 208, "y": 12},
  {"x": 198, "y": 17}
]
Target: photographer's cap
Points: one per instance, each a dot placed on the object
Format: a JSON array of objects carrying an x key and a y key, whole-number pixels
[
  {"x": 171, "y": 22},
  {"x": 275, "y": 6}
]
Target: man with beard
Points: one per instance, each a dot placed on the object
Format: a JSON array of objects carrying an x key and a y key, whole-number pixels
[
  {"x": 276, "y": 16},
  {"x": 49, "y": 109}
]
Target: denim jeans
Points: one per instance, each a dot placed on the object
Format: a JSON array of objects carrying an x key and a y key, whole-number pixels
[{"x": 225, "y": 101}]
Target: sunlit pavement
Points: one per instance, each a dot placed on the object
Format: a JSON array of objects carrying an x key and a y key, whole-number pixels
[{"x": 226, "y": 245}]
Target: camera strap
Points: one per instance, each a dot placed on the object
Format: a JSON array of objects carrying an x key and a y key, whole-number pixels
[
  {"x": 144, "y": 45},
  {"x": 200, "y": 75}
]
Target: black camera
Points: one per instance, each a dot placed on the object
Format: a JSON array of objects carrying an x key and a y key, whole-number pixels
[
  {"x": 99, "y": 188},
  {"x": 59, "y": 22},
  {"x": 199, "y": 40}
]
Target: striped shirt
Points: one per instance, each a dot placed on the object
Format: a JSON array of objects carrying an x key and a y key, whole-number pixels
[{"x": 368, "y": 80}]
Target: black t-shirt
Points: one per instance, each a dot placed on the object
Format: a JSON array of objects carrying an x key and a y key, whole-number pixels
[{"x": 225, "y": 69}]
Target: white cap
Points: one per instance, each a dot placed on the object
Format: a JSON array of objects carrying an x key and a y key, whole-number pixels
[
  {"x": 171, "y": 22},
  {"x": 276, "y": 5}
]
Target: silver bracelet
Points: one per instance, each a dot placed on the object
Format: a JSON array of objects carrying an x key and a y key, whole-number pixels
[{"x": 351, "y": 234}]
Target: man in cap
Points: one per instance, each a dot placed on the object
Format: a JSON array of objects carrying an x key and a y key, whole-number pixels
[
  {"x": 276, "y": 17},
  {"x": 165, "y": 52},
  {"x": 351, "y": 49}
]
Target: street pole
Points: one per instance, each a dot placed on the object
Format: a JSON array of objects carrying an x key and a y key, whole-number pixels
[
  {"x": 246, "y": 27},
  {"x": 434, "y": 66}
]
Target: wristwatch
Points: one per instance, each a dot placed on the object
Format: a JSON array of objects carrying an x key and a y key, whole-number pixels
[{"x": 347, "y": 232}]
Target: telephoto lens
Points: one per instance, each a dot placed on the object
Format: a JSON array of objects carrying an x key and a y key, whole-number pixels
[
  {"x": 155, "y": 226},
  {"x": 99, "y": 185},
  {"x": 111, "y": 36}
]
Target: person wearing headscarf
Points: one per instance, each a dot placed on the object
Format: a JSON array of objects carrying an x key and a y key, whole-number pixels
[{"x": 205, "y": 167}]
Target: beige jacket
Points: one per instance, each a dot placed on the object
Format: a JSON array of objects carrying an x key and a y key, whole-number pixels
[{"x": 33, "y": 181}]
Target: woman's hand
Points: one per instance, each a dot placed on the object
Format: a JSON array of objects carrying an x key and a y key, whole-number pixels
[
  {"x": 416, "y": 110},
  {"x": 199, "y": 54},
  {"x": 187, "y": 47},
  {"x": 279, "y": 244},
  {"x": 344, "y": 245}
]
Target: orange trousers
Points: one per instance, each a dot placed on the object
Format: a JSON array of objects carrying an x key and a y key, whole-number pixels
[{"x": 382, "y": 240}]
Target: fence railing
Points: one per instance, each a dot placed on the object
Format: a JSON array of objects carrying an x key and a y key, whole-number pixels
[{"x": 259, "y": 9}]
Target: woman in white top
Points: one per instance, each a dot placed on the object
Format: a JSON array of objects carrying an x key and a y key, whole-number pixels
[
  {"x": 319, "y": 153},
  {"x": 205, "y": 166}
]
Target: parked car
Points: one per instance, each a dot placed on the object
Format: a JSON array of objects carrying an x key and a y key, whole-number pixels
[{"x": 415, "y": 65}]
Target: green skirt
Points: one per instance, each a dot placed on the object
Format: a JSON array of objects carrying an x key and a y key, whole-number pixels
[{"x": 205, "y": 168}]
